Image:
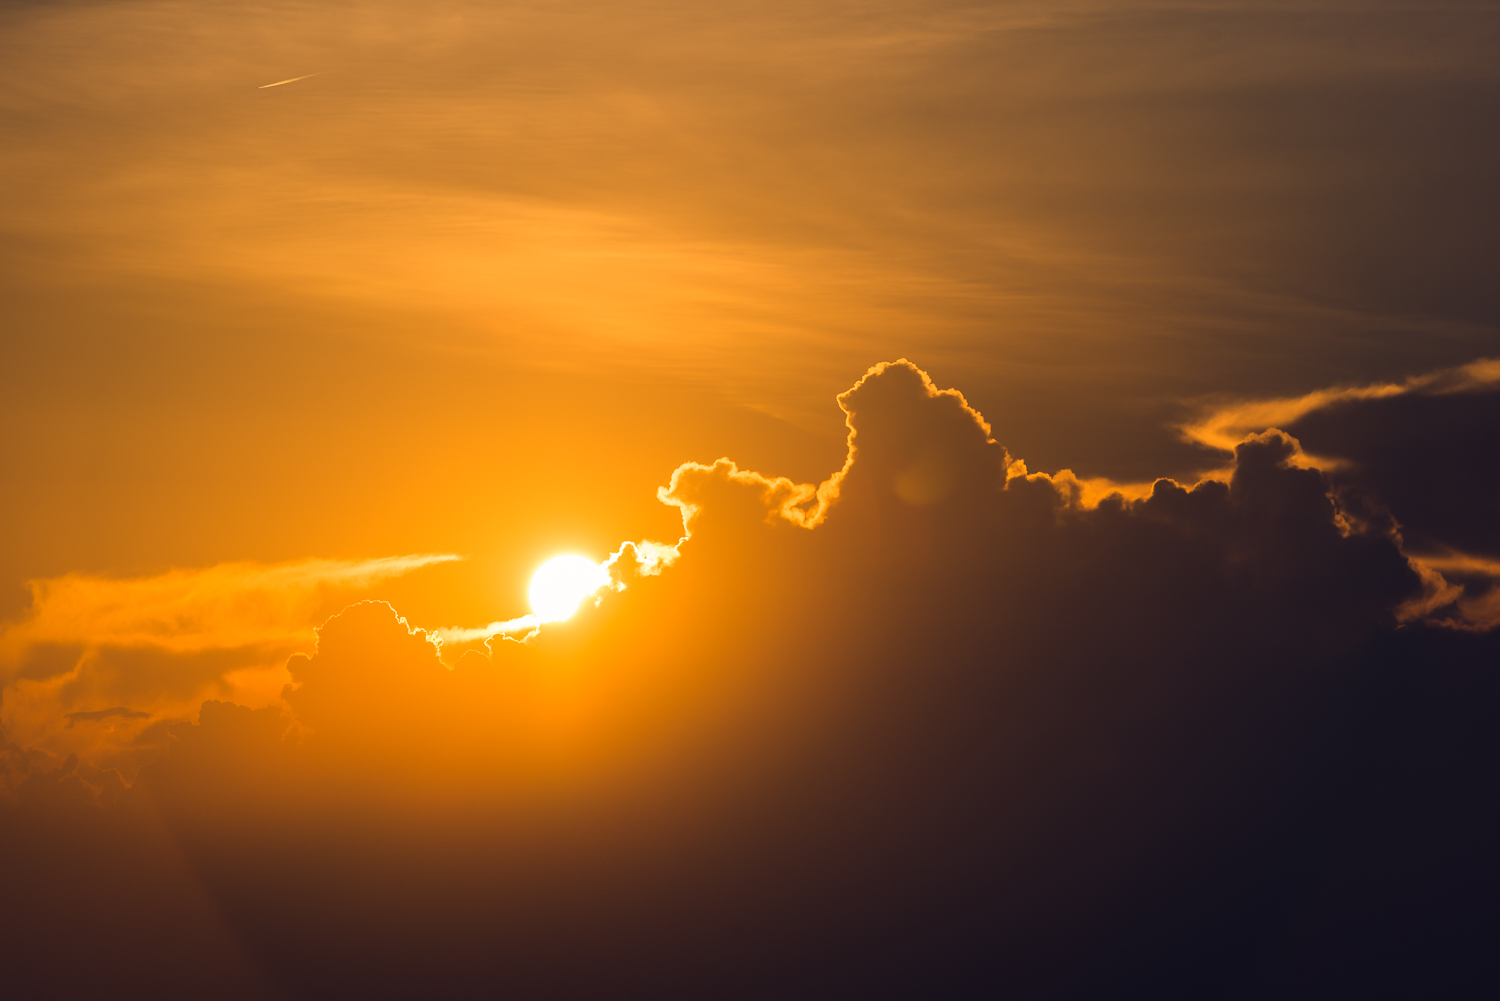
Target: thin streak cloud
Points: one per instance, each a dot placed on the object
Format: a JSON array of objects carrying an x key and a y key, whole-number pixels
[
  {"x": 283, "y": 83},
  {"x": 1223, "y": 427}
]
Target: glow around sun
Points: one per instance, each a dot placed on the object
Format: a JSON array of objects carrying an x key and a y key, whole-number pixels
[{"x": 561, "y": 584}]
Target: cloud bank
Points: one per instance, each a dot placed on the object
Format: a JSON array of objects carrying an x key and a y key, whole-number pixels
[
  {"x": 124, "y": 652},
  {"x": 934, "y": 724}
]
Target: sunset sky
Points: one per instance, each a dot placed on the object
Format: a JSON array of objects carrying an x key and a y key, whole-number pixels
[{"x": 1036, "y": 464}]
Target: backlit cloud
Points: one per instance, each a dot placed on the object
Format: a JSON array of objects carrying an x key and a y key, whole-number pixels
[
  {"x": 1414, "y": 454},
  {"x": 95, "y": 659},
  {"x": 1223, "y": 426},
  {"x": 1156, "y": 658},
  {"x": 937, "y": 685}
]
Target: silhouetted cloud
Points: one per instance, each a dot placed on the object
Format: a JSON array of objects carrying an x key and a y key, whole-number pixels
[
  {"x": 910, "y": 717},
  {"x": 1413, "y": 455},
  {"x": 935, "y": 724}
]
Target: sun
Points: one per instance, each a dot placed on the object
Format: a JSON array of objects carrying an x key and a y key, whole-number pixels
[{"x": 559, "y": 586}]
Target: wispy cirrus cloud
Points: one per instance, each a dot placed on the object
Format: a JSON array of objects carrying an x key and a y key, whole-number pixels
[{"x": 1222, "y": 426}]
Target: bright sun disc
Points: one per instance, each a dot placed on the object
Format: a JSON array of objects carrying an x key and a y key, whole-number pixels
[{"x": 559, "y": 586}]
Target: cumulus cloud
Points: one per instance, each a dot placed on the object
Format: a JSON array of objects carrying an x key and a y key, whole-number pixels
[
  {"x": 932, "y": 724},
  {"x": 1414, "y": 455},
  {"x": 929, "y": 465},
  {"x": 1219, "y": 426},
  {"x": 163, "y": 644}
]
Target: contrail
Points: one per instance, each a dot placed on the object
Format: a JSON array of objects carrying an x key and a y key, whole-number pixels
[{"x": 294, "y": 79}]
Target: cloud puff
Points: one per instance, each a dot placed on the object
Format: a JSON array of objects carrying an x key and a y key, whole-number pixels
[
  {"x": 925, "y": 464},
  {"x": 1414, "y": 456}
]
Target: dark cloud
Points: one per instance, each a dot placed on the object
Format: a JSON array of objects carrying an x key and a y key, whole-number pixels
[
  {"x": 1420, "y": 461},
  {"x": 94, "y": 716},
  {"x": 934, "y": 727},
  {"x": 1428, "y": 456}
]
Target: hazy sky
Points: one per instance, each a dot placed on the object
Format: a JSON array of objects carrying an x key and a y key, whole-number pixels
[
  {"x": 494, "y": 243},
  {"x": 471, "y": 280}
]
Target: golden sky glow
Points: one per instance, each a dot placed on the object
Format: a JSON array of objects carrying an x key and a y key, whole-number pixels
[{"x": 842, "y": 451}]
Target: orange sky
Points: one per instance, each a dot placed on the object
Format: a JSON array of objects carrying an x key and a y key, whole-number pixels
[
  {"x": 465, "y": 290},
  {"x": 489, "y": 247}
]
